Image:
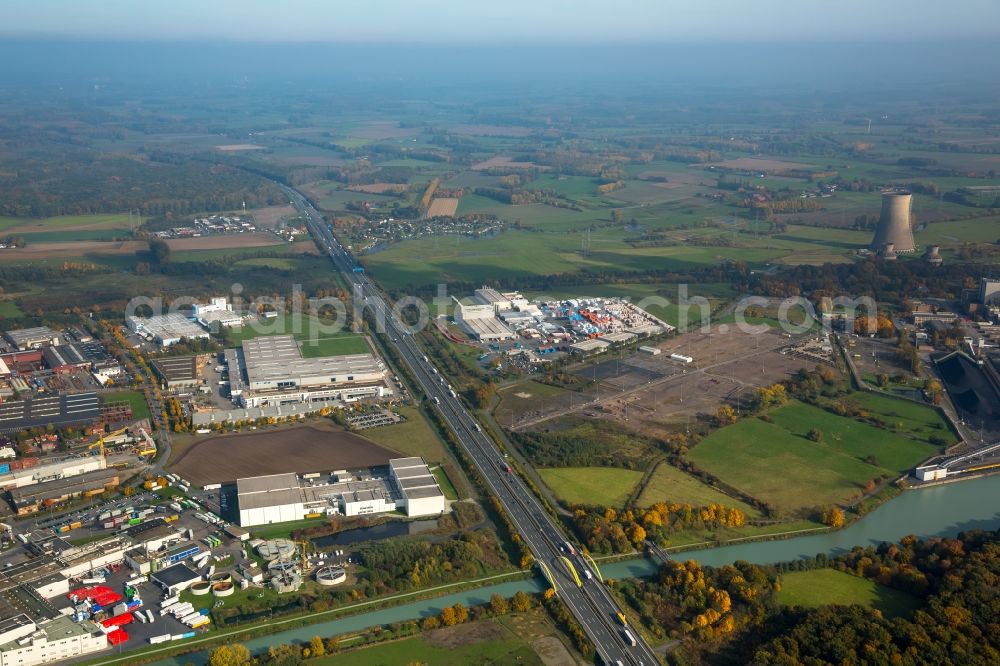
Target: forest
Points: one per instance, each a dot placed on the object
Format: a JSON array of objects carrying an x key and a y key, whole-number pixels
[{"x": 730, "y": 615}]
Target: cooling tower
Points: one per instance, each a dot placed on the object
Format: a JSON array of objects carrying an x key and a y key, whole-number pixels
[
  {"x": 932, "y": 256},
  {"x": 894, "y": 223}
]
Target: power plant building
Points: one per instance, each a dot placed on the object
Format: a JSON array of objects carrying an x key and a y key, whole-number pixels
[
  {"x": 894, "y": 234},
  {"x": 276, "y": 374}
]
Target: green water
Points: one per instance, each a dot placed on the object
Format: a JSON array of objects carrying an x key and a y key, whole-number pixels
[{"x": 939, "y": 511}]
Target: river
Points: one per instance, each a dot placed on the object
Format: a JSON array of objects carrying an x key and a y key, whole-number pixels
[{"x": 938, "y": 511}]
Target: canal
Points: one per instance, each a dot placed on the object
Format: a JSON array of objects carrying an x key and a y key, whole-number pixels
[{"x": 939, "y": 511}]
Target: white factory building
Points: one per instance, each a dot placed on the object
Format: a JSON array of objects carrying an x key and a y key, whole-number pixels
[
  {"x": 51, "y": 471},
  {"x": 277, "y": 374},
  {"x": 480, "y": 321},
  {"x": 421, "y": 494},
  {"x": 24, "y": 642},
  {"x": 167, "y": 329},
  {"x": 217, "y": 311},
  {"x": 278, "y": 498}
]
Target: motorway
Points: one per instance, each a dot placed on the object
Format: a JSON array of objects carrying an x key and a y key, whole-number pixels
[{"x": 590, "y": 603}]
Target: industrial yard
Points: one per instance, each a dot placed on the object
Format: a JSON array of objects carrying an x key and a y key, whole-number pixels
[{"x": 692, "y": 374}]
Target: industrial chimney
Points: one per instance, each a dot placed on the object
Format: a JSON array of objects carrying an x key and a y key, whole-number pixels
[{"x": 894, "y": 223}]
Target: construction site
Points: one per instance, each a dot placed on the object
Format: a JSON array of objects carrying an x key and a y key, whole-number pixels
[{"x": 665, "y": 387}]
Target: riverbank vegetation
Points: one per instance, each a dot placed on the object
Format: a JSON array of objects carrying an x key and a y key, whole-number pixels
[{"x": 912, "y": 602}]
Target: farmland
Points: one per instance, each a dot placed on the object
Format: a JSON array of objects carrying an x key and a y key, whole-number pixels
[
  {"x": 601, "y": 486},
  {"x": 225, "y": 458},
  {"x": 820, "y": 587},
  {"x": 746, "y": 456}
]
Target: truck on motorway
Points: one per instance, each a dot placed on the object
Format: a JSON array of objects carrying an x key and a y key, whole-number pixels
[
  {"x": 437, "y": 400},
  {"x": 621, "y": 618},
  {"x": 629, "y": 638},
  {"x": 588, "y": 575},
  {"x": 569, "y": 548}
]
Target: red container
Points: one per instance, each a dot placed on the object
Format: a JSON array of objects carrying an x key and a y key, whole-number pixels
[
  {"x": 117, "y": 637},
  {"x": 118, "y": 621}
]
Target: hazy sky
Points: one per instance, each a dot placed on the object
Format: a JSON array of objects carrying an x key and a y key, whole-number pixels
[{"x": 499, "y": 21}]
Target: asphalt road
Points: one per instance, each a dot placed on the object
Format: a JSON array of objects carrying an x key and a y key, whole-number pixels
[{"x": 591, "y": 602}]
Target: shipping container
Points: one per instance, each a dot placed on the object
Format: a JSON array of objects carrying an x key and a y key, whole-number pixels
[{"x": 5, "y": 468}]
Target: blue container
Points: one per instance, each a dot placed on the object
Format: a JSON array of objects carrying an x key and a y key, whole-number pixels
[{"x": 5, "y": 468}]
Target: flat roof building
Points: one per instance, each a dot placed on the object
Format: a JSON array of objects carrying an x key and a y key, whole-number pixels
[
  {"x": 275, "y": 498},
  {"x": 57, "y": 410},
  {"x": 277, "y": 373},
  {"x": 178, "y": 371},
  {"x": 422, "y": 496},
  {"x": 175, "y": 579},
  {"x": 167, "y": 329},
  {"x": 32, "y": 338}
]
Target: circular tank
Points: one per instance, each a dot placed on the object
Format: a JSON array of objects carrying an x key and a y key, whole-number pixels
[
  {"x": 274, "y": 549},
  {"x": 221, "y": 577},
  {"x": 201, "y": 587},
  {"x": 223, "y": 589},
  {"x": 330, "y": 575},
  {"x": 279, "y": 567}
]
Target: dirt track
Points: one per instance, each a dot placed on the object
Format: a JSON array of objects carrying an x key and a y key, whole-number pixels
[{"x": 224, "y": 458}]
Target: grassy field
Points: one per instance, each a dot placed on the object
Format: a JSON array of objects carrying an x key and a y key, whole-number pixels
[
  {"x": 777, "y": 463},
  {"x": 311, "y": 331},
  {"x": 669, "y": 484},
  {"x": 447, "y": 487},
  {"x": 505, "y": 640},
  {"x": 916, "y": 420},
  {"x": 30, "y": 225},
  {"x": 339, "y": 345},
  {"x": 413, "y": 437},
  {"x": 523, "y": 397},
  {"x": 140, "y": 410},
  {"x": 9, "y": 309},
  {"x": 822, "y": 587},
  {"x": 604, "y": 486}
]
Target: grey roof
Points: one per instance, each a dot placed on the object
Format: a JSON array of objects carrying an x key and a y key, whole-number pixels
[
  {"x": 59, "y": 410},
  {"x": 278, "y": 358},
  {"x": 402, "y": 463},
  {"x": 271, "y": 498},
  {"x": 270, "y": 482},
  {"x": 175, "y": 575},
  {"x": 421, "y": 493},
  {"x": 422, "y": 481}
]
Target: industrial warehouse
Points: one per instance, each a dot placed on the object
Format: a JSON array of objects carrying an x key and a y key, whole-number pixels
[
  {"x": 408, "y": 485},
  {"x": 272, "y": 371},
  {"x": 167, "y": 329}
]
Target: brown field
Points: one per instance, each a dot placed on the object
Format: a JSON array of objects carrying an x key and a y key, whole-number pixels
[
  {"x": 760, "y": 164},
  {"x": 505, "y": 162},
  {"x": 235, "y": 147},
  {"x": 73, "y": 249},
  {"x": 223, "y": 242},
  {"x": 384, "y": 130},
  {"x": 271, "y": 215},
  {"x": 379, "y": 188},
  {"x": 655, "y": 395},
  {"x": 443, "y": 206},
  {"x": 490, "y": 130},
  {"x": 301, "y": 449}
]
